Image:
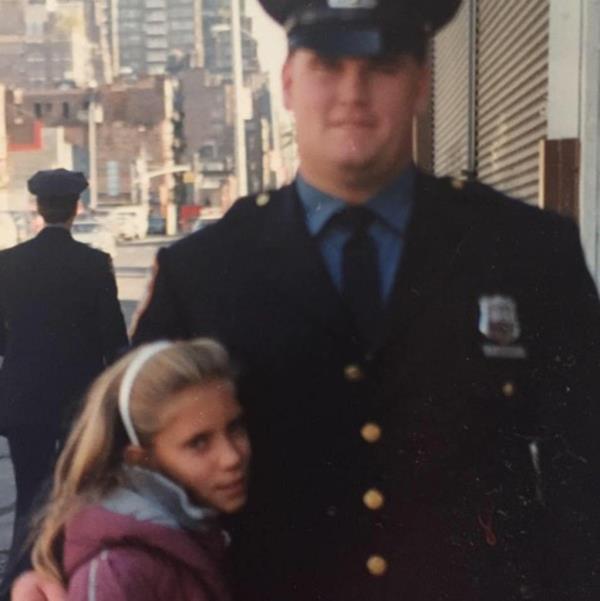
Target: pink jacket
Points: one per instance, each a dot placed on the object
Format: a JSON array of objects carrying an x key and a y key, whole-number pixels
[
  {"x": 112, "y": 557},
  {"x": 133, "y": 555}
]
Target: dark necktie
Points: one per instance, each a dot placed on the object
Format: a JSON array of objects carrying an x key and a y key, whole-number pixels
[{"x": 361, "y": 287}]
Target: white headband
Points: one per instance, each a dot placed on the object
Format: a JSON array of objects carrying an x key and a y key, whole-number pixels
[{"x": 133, "y": 369}]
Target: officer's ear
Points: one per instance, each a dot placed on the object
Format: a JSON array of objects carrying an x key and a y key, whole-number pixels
[
  {"x": 423, "y": 92},
  {"x": 286, "y": 81}
]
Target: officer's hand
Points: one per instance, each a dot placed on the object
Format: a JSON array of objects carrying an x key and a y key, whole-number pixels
[{"x": 31, "y": 586}]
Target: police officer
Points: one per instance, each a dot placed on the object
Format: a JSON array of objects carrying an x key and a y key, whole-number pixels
[
  {"x": 420, "y": 357},
  {"x": 60, "y": 324}
]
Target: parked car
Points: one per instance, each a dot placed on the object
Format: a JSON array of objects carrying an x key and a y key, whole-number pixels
[
  {"x": 157, "y": 225},
  {"x": 124, "y": 227},
  {"x": 131, "y": 221},
  {"x": 95, "y": 235},
  {"x": 9, "y": 233},
  {"x": 24, "y": 220},
  {"x": 203, "y": 222}
]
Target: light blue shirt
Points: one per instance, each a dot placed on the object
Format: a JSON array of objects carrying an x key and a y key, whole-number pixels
[{"x": 392, "y": 208}]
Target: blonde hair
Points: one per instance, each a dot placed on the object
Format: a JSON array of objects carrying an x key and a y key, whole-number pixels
[{"x": 90, "y": 463}]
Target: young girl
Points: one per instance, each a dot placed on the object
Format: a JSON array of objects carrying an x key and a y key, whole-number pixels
[{"x": 158, "y": 452}]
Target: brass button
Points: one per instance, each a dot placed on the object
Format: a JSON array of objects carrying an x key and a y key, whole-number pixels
[
  {"x": 508, "y": 390},
  {"x": 457, "y": 184},
  {"x": 371, "y": 432},
  {"x": 354, "y": 373},
  {"x": 377, "y": 565},
  {"x": 263, "y": 199},
  {"x": 373, "y": 499}
]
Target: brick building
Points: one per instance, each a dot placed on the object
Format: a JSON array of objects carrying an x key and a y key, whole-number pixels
[{"x": 135, "y": 132}]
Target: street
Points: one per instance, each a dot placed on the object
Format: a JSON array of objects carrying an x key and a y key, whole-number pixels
[{"x": 133, "y": 268}]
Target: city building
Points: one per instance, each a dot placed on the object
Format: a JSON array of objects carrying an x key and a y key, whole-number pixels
[
  {"x": 134, "y": 134},
  {"x": 29, "y": 147},
  {"x": 100, "y": 28},
  {"x": 44, "y": 44},
  {"x": 208, "y": 121},
  {"x": 218, "y": 54},
  {"x": 150, "y": 33}
]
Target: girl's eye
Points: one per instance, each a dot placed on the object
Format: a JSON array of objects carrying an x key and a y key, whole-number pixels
[{"x": 199, "y": 443}]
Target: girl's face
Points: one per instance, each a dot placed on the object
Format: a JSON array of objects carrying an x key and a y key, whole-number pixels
[{"x": 204, "y": 446}]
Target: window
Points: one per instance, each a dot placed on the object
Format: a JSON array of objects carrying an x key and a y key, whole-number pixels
[
  {"x": 156, "y": 29},
  {"x": 180, "y": 12},
  {"x": 182, "y": 26},
  {"x": 113, "y": 184},
  {"x": 154, "y": 16},
  {"x": 132, "y": 39},
  {"x": 128, "y": 26},
  {"x": 66, "y": 110},
  {"x": 129, "y": 13},
  {"x": 156, "y": 56},
  {"x": 156, "y": 43}
]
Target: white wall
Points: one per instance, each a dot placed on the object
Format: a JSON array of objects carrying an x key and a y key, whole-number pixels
[
  {"x": 564, "y": 63},
  {"x": 590, "y": 133},
  {"x": 574, "y": 104}
]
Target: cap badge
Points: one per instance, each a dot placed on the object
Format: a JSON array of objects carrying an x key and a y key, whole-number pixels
[
  {"x": 499, "y": 323},
  {"x": 263, "y": 199},
  {"x": 353, "y": 4}
]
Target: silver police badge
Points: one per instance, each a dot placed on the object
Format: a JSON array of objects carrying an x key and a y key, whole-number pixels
[
  {"x": 351, "y": 4},
  {"x": 499, "y": 323}
]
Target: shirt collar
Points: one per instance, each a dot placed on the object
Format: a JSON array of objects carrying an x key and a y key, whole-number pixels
[{"x": 392, "y": 205}]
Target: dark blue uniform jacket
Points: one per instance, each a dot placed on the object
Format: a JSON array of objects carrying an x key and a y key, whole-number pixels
[
  {"x": 60, "y": 324},
  {"x": 458, "y": 460}
]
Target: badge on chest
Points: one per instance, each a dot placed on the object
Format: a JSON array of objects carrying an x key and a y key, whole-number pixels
[{"x": 499, "y": 323}]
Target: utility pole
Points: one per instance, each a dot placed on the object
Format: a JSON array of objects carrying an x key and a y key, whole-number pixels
[
  {"x": 238, "y": 87},
  {"x": 93, "y": 147}
]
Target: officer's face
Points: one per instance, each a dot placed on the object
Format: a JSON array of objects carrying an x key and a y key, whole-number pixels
[{"x": 354, "y": 115}]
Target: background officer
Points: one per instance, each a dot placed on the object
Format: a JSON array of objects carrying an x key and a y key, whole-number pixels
[
  {"x": 60, "y": 324},
  {"x": 420, "y": 357}
]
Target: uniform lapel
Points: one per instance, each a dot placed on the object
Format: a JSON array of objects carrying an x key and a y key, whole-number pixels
[
  {"x": 439, "y": 227},
  {"x": 296, "y": 269},
  {"x": 436, "y": 234}
]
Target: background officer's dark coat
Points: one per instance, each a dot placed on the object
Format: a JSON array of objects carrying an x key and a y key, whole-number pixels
[
  {"x": 466, "y": 514},
  {"x": 60, "y": 323}
]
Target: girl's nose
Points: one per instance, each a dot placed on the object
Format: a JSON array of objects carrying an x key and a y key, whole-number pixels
[{"x": 231, "y": 454}]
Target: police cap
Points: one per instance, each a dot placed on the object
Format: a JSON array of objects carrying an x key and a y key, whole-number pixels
[
  {"x": 361, "y": 27},
  {"x": 57, "y": 183}
]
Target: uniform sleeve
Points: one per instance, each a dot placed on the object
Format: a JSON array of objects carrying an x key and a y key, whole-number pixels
[
  {"x": 2, "y": 322},
  {"x": 117, "y": 575},
  {"x": 2, "y": 335},
  {"x": 112, "y": 324},
  {"x": 570, "y": 453},
  {"x": 159, "y": 316},
  {"x": 574, "y": 349}
]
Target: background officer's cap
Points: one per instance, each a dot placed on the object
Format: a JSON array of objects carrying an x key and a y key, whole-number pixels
[
  {"x": 361, "y": 27},
  {"x": 57, "y": 183}
]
